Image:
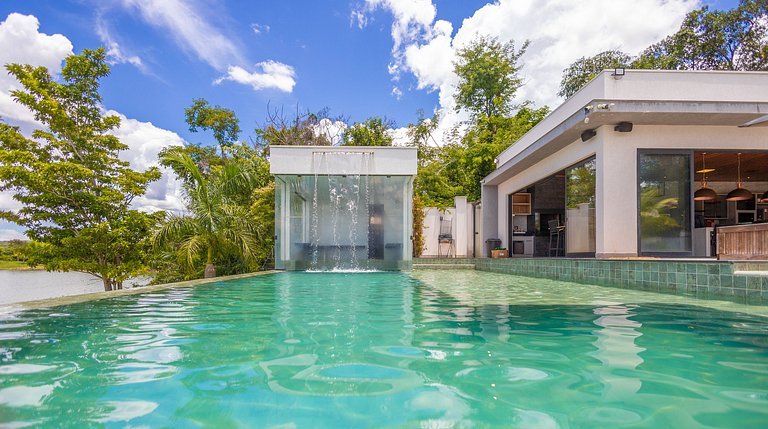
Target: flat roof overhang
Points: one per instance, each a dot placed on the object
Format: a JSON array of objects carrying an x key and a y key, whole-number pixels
[{"x": 638, "y": 112}]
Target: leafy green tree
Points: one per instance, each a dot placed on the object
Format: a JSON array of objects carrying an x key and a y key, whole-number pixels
[
  {"x": 586, "y": 68},
  {"x": 715, "y": 40},
  {"x": 222, "y": 122},
  {"x": 707, "y": 40},
  {"x": 218, "y": 223},
  {"x": 487, "y": 71},
  {"x": 374, "y": 131},
  {"x": 74, "y": 190},
  {"x": 475, "y": 157}
]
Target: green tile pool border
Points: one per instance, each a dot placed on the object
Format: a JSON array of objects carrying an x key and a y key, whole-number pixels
[
  {"x": 74, "y": 299},
  {"x": 740, "y": 282}
]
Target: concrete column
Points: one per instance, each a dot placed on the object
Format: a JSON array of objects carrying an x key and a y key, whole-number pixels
[
  {"x": 460, "y": 226},
  {"x": 616, "y": 195},
  {"x": 490, "y": 200}
]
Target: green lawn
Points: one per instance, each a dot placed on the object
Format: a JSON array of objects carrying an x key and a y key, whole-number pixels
[{"x": 13, "y": 265}]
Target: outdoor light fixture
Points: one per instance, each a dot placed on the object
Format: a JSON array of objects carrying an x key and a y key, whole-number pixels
[
  {"x": 739, "y": 194},
  {"x": 623, "y": 127},
  {"x": 618, "y": 72},
  {"x": 704, "y": 193},
  {"x": 588, "y": 134}
]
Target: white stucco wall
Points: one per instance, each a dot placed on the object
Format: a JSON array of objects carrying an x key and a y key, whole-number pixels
[
  {"x": 461, "y": 216},
  {"x": 566, "y": 157}
]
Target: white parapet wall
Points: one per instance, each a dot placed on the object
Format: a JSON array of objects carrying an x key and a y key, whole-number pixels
[{"x": 329, "y": 160}]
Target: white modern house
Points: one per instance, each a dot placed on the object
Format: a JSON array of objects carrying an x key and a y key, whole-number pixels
[{"x": 618, "y": 169}]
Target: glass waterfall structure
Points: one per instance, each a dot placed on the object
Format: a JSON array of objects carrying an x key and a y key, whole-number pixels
[{"x": 343, "y": 208}]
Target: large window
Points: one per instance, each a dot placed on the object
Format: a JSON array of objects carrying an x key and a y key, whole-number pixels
[
  {"x": 664, "y": 203},
  {"x": 580, "y": 209}
]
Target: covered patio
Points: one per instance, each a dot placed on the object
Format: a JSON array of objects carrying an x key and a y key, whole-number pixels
[{"x": 616, "y": 167}]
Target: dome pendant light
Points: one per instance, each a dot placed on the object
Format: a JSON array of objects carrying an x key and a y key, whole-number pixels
[
  {"x": 704, "y": 193},
  {"x": 739, "y": 194},
  {"x": 764, "y": 198}
]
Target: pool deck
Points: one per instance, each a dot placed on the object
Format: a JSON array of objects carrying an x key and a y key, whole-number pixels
[
  {"x": 744, "y": 282},
  {"x": 74, "y": 299}
]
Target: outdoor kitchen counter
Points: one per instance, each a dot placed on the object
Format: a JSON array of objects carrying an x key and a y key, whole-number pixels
[{"x": 743, "y": 241}]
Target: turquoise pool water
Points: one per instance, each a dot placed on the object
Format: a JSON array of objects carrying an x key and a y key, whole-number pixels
[{"x": 432, "y": 349}]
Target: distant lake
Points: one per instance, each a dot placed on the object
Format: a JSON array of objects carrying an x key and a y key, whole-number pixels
[{"x": 18, "y": 286}]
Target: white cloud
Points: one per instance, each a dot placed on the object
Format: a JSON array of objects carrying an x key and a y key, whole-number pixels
[
  {"x": 560, "y": 31},
  {"x": 269, "y": 75},
  {"x": 332, "y": 130},
  {"x": 20, "y": 42},
  {"x": 7, "y": 234},
  {"x": 115, "y": 53},
  {"x": 260, "y": 28},
  {"x": 145, "y": 141},
  {"x": 188, "y": 25}
]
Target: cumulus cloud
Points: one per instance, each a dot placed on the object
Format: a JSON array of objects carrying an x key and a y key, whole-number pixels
[
  {"x": 188, "y": 25},
  {"x": 20, "y": 42},
  {"x": 268, "y": 75},
  {"x": 7, "y": 234},
  {"x": 332, "y": 130},
  {"x": 145, "y": 141},
  {"x": 560, "y": 31}
]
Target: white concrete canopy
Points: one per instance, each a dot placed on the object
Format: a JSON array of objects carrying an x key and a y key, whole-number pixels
[{"x": 380, "y": 161}]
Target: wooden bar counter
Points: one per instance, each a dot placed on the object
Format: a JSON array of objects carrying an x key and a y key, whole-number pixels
[{"x": 743, "y": 242}]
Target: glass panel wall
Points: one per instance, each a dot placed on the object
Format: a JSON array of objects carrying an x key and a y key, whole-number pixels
[
  {"x": 580, "y": 209},
  {"x": 343, "y": 222},
  {"x": 664, "y": 203}
]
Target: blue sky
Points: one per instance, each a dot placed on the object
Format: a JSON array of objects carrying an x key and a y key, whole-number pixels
[{"x": 356, "y": 57}]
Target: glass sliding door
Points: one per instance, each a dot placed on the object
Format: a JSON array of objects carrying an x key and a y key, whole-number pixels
[
  {"x": 580, "y": 209},
  {"x": 664, "y": 202}
]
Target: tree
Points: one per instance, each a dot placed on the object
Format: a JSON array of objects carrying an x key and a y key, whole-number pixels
[
  {"x": 707, "y": 40},
  {"x": 223, "y": 122},
  {"x": 487, "y": 71},
  {"x": 305, "y": 129},
  {"x": 219, "y": 221},
  {"x": 484, "y": 141},
  {"x": 74, "y": 190},
  {"x": 374, "y": 131},
  {"x": 585, "y": 69},
  {"x": 715, "y": 40}
]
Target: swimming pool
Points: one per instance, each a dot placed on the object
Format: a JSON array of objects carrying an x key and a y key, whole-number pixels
[{"x": 432, "y": 349}]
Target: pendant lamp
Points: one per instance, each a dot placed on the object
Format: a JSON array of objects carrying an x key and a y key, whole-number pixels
[
  {"x": 764, "y": 198},
  {"x": 704, "y": 193},
  {"x": 739, "y": 194}
]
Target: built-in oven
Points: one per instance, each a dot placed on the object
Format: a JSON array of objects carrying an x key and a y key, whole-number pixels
[{"x": 522, "y": 245}]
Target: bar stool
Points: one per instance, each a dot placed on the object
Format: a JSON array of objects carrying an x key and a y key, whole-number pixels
[{"x": 555, "y": 233}]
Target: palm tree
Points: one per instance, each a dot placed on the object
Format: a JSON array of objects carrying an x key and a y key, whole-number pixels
[{"x": 215, "y": 222}]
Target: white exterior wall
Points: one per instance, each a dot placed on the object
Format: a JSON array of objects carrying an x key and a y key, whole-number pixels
[
  {"x": 566, "y": 157},
  {"x": 616, "y": 214},
  {"x": 461, "y": 228},
  {"x": 616, "y": 181}
]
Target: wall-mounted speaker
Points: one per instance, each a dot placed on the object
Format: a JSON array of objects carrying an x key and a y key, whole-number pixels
[
  {"x": 623, "y": 127},
  {"x": 588, "y": 134}
]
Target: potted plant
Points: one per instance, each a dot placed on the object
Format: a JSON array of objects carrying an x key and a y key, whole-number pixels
[{"x": 499, "y": 252}]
